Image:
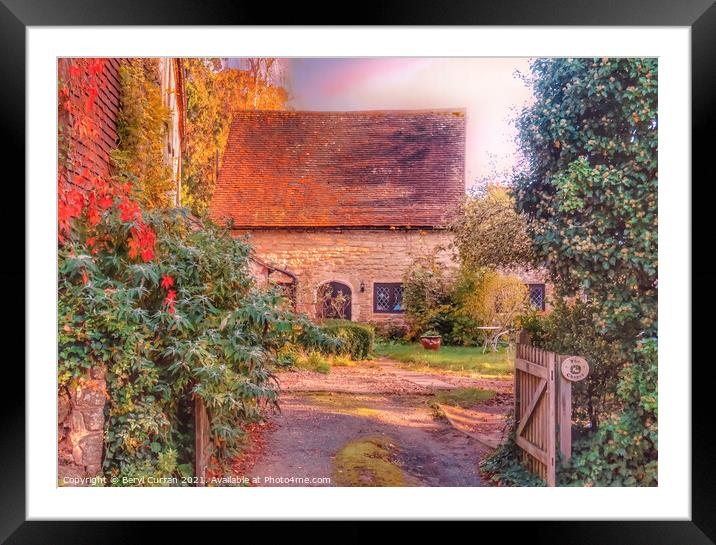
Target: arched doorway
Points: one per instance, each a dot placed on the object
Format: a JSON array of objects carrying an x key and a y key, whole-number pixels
[{"x": 334, "y": 300}]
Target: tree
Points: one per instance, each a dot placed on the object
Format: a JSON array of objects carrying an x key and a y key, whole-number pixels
[
  {"x": 489, "y": 232},
  {"x": 214, "y": 95},
  {"x": 589, "y": 184},
  {"x": 142, "y": 126},
  {"x": 589, "y": 191},
  {"x": 491, "y": 298}
]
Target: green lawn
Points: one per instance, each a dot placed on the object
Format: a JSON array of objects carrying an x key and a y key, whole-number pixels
[
  {"x": 463, "y": 397},
  {"x": 468, "y": 360}
]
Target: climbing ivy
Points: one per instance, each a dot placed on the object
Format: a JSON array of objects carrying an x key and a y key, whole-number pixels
[
  {"x": 588, "y": 189},
  {"x": 589, "y": 186},
  {"x": 142, "y": 126}
]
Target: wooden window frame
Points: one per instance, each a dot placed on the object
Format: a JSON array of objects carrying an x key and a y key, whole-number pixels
[{"x": 391, "y": 302}]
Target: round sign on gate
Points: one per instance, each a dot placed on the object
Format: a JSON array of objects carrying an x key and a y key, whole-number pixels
[{"x": 575, "y": 368}]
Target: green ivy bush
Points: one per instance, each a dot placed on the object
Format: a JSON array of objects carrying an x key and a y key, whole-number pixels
[
  {"x": 588, "y": 190},
  {"x": 624, "y": 450},
  {"x": 589, "y": 185},
  {"x": 355, "y": 339},
  {"x": 190, "y": 323},
  {"x": 570, "y": 329}
]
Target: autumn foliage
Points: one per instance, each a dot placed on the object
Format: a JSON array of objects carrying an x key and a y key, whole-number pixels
[
  {"x": 84, "y": 199},
  {"x": 213, "y": 96},
  {"x": 167, "y": 306}
]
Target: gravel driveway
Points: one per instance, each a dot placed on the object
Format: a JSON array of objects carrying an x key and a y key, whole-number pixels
[{"x": 321, "y": 414}]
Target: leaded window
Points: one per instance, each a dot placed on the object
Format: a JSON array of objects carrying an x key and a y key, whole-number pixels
[
  {"x": 388, "y": 297},
  {"x": 536, "y": 296}
]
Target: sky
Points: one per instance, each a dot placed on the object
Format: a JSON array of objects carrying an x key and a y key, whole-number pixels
[{"x": 487, "y": 88}]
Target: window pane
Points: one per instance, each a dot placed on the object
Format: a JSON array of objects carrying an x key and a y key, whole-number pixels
[
  {"x": 382, "y": 298},
  {"x": 537, "y": 296},
  {"x": 398, "y": 298}
]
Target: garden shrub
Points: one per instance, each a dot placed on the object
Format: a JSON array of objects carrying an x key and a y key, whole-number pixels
[
  {"x": 427, "y": 297},
  {"x": 624, "y": 450},
  {"x": 570, "y": 329},
  {"x": 189, "y": 323},
  {"x": 356, "y": 340},
  {"x": 390, "y": 331}
]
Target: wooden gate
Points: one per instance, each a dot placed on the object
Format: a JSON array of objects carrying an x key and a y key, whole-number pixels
[
  {"x": 543, "y": 406},
  {"x": 535, "y": 410}
]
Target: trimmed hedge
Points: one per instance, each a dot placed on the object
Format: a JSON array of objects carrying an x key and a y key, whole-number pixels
[{"x": 357, "y": 339}]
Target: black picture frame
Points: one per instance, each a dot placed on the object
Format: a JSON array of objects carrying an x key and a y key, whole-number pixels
[{"x": 699, "y": 15}]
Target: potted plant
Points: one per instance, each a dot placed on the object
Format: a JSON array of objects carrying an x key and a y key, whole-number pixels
[{"x": 430, "y": 340}]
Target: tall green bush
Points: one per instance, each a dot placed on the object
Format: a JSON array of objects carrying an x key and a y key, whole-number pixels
[
  {"x": 589, "y": 186},
  {"x": 189, "y": 323},
  {"x": 588, "y": 189}
]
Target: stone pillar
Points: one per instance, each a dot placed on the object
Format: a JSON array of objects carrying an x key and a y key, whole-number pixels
[{"x": 80, "y": 413}]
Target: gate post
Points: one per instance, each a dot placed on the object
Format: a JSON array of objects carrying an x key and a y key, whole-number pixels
[{"x": 565, "y": 412}]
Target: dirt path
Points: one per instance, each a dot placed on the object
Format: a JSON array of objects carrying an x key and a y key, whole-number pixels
[{"x": 378, "y": 405}]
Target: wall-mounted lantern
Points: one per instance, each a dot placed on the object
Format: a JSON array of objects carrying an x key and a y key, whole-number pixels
[{"x": 362, "y": 286}]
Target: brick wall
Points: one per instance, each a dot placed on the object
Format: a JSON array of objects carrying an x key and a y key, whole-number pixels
[
  {"x": 347, "y": 256},
  {"x": 94, "y": 154}
]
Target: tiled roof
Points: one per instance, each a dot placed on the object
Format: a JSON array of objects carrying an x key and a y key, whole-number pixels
[{"x": 342, "y": 169}]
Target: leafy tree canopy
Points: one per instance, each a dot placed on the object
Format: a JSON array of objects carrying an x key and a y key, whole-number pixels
[
  {"x": 589, "y": 183},
  {"x": 489, "y": 232},
  {"x": 213, "y": 96}
]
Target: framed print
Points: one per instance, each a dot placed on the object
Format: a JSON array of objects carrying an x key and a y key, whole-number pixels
[{"x": 402, "y": 269}]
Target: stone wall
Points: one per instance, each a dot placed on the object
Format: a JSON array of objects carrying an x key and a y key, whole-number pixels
[
  {"x": 80, "y": 430},
  {"x": 348, "y": 256},
  {"x": 355, "y": 256}
]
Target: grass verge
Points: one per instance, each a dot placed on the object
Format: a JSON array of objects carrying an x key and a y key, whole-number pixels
[
  {"x": 463, "y": 397},
  {"x": 466, "y": 360}
]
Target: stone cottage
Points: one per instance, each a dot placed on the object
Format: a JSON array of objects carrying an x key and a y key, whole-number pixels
[{"x": 343, "y": 202}]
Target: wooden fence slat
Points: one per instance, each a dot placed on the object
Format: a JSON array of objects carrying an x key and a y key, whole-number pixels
[
  {"x": 201, "y": 440},
  {"x": 531, "y": 449},
  {"x": 527, "y": 415}
]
